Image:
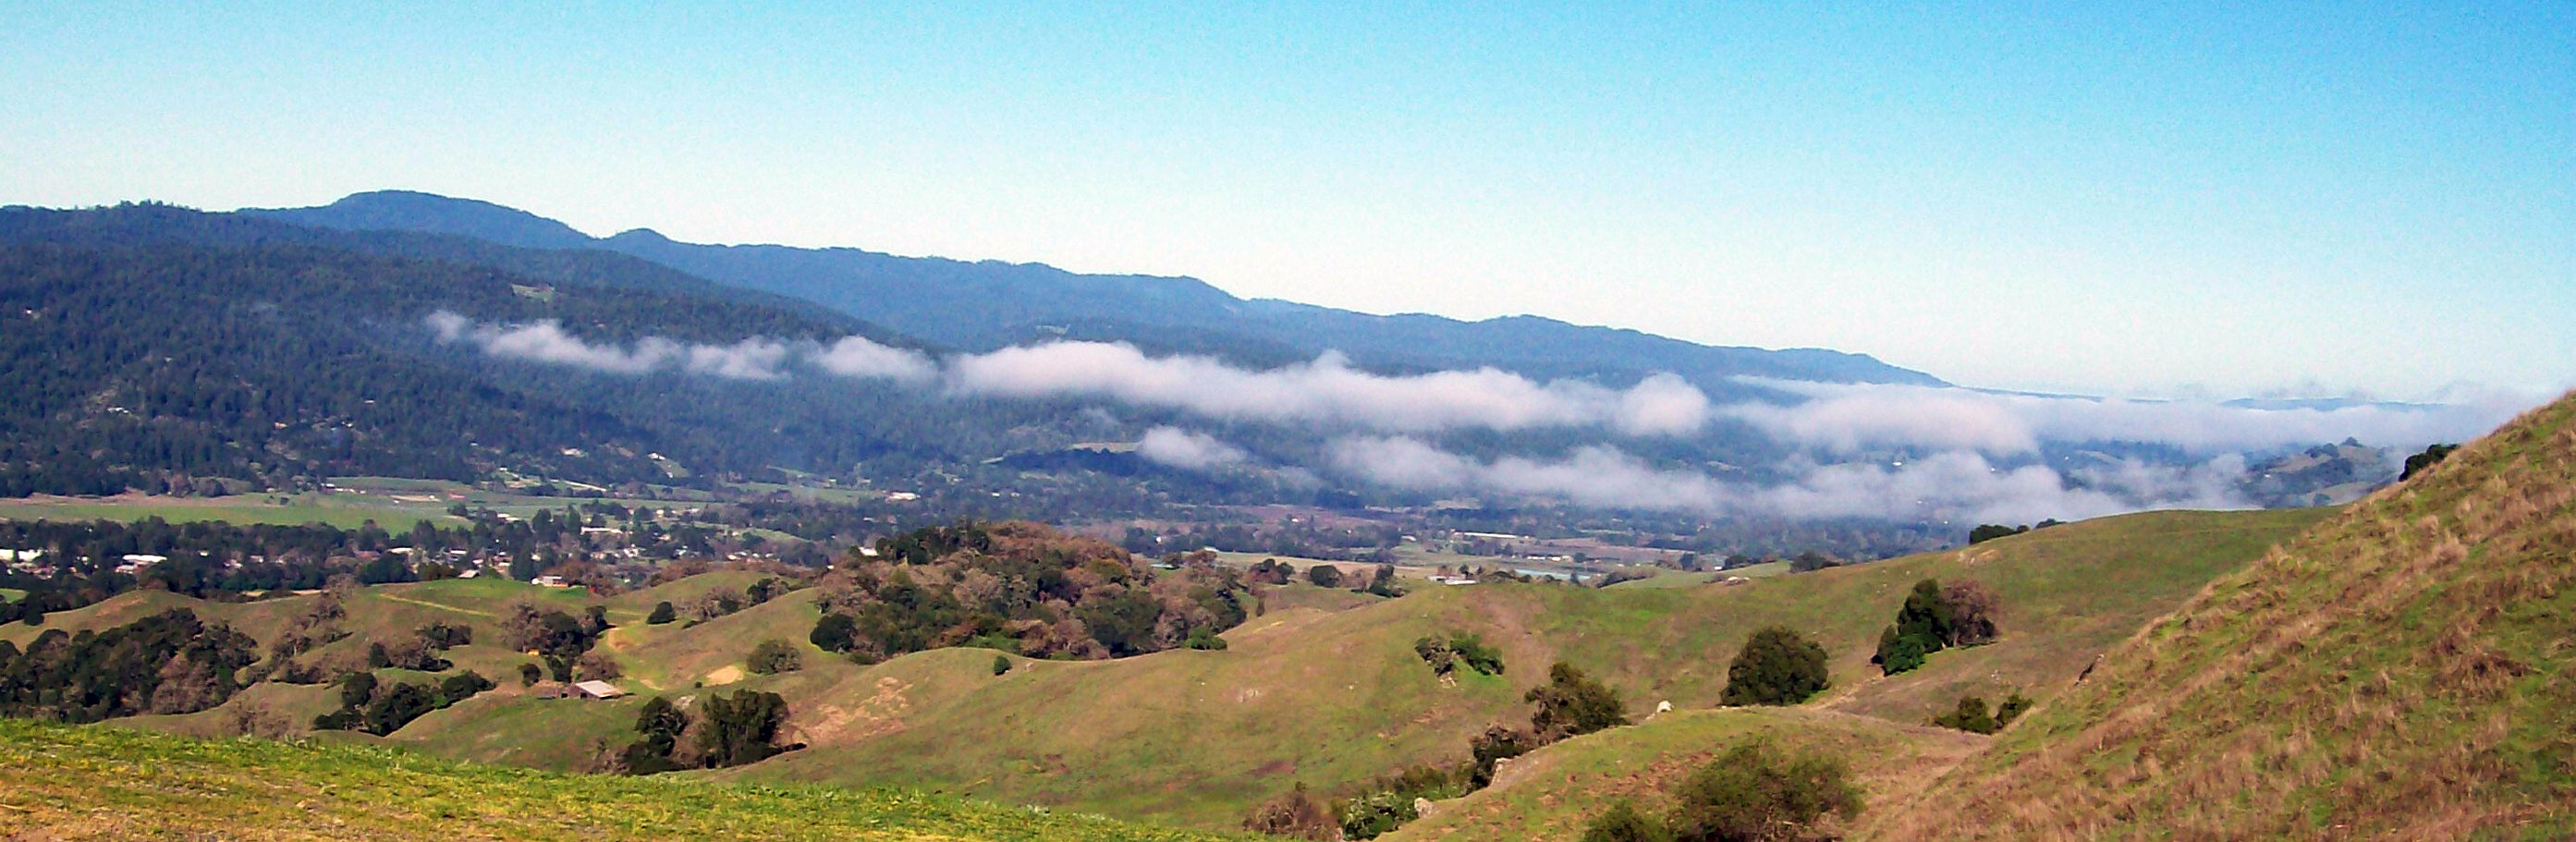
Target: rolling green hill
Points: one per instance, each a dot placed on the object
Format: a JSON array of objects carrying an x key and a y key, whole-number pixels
[
  {"x": 1323, "y": 691},
  {"x": 74, "y": 783},
  {"x": 2405, "y": 671}
]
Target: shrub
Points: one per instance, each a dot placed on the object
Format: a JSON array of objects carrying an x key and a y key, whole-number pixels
[
  {"x": 1754, "y": 793},
  {"x": 1490, "y": 749},
  {"x": 663, "y": 612},
  {"x": 530, "y": 674},
  {"x": 741, "y": 729},
  {"x": 1896, "y": 652},
  {"x": 1324, "y": 576},
  {"x": 1204, "y": 638},
  {"x": 1969, "y": 716},
  {"x": 599, "y": 666},
  {"x": 1376, "y": 813},
  {"x": 1295, "y": 815},
  {"x": 2011, "y": 709},
  {"x": 1571, "y": 703},
  {"x": 774, "y": 656},
  {"x": 2421, "y": 462},
  {"x": 1001, "y": 664},
  {"x": 462, "y": 686},
  {"x": 1624, "y": 824},
  {"x": 1777, "y": 666}
]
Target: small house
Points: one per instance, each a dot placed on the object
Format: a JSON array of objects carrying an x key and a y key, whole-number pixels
[{"x": 597, "y": 690}]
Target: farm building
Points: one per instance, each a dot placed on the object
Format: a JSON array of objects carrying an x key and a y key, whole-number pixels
[{"x": 597, "y": 690}]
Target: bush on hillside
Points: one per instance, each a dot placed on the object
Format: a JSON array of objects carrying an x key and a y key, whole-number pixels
[
  {"x": 2421, "y": 462},
  {"x": 1324, "y": 576},
  {"x": 1571, "y": 704},
  {"x": 663, "y": 612},
  {"x": 1490, "y": 749},
  {"x": 1757, "y": 793},
  {"x": 1295, "y": 815},
  {"x": 1376, "y": 813},
  {"x": 1970, "y": 716},
  {"x": 774, "y": 656},
  {"x": 1935, "y": 617},
  {"x": 1001, "y": 664},
  {"x": 1459, "y": 649},
  {"x": 1777, "y": 666},
  {"x": 1623, "y": 823}
]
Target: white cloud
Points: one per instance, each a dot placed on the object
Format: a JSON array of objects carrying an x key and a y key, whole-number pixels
[
  {"x": 1957, "y": 486},
  {"x": 1184, "y": 449},
  {"x": 755, "y": 358},
  {"x": 1846, "y": 418},
  {"x": 1328, "y": 390},
  {"x": 855, "y": 356}
]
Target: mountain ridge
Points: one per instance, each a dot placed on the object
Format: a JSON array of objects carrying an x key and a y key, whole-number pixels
[{"x": 981, "y": 305}]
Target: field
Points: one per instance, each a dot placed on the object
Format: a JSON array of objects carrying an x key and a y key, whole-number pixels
[
  {"x": 342, "y": 511},
  {"x": 89, "y": 783}
]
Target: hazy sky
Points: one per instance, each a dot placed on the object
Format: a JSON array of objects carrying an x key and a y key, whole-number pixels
[{"x": 2318, "y": 198}]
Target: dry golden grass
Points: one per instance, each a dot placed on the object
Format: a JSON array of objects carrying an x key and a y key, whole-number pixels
[{"x": 2401, "y": 672}]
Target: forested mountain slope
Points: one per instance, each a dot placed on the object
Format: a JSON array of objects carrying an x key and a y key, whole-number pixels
[{"x": 987, "y": 304}]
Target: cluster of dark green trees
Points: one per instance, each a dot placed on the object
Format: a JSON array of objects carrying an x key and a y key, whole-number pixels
[
  {"x": 559, "y": 639},
  {"x": 1754, "y": 792},
  {"x": 380, "y": 708},
  {"x": 1934, "y": 618},
  {"x": 727, "y": 731},
  {"x": 1989, "y": 531},
  {"x": 1025, "y": 589},
  {"x": 165, "y": 663}
]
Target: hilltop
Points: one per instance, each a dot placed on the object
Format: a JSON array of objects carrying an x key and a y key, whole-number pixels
[{"x": 2401, "y": 671}]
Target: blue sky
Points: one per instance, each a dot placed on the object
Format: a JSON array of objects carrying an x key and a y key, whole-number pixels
[{"x": 2130, "y": 200}]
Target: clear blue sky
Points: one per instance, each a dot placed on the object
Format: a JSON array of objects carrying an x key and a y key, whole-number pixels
[{"x": 2146, "y": 199}]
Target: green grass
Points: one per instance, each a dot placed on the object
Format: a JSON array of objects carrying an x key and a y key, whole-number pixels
[
  {"x": 11, "y": 594},
  {"x": 1324, "y": 688},
  {"x": 2402, "y": 671},
  {"x": 336, "y": 510},
  {"x": 1553, "y": 792},
  {"x": 89, "y": 783}
]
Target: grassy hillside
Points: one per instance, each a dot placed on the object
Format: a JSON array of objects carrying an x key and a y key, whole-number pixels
[
  {"x": 1554, "y": 792},
  {"x": 70, "y": 783},
  {"x": 1333, "y": 698},
  {"x": 1323, "y": 687},
  {"x": 2407, "y": 670}
]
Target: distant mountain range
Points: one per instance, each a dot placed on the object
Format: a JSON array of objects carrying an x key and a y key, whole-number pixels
[{"x": 982, "y": 305}]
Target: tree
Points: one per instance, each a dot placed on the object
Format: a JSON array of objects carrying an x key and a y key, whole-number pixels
[
  {"x": 597, "y": 665},
  {"x": 1969, "y": 716},
  {"x": 1383, "y": 583},
  {"x": 1972, "y": 607},
  {"x": 1624, "y": 824},
  {"x": 1925, "y": 616},
  {"x": 397, "y": 706},
  {"x": 662, "y": 613},
  {"x": 1755, "y": 793},
  {"x": 2424, "y": 461},
  {"x": 530, "y": 674},
  {"x": 1001, "y": 664},
  {"x": 1324, "y": 576},
  {"x": 660, "y": 724},
  {"x": 1777, "y": 666},
  {"x": 835, "y": 633},
  {"x": 1897, "y": 652},
  {"x": 1571, "y": 704},
  {"x": 774, "y": 656},
  {"x": 740, "y": 729}
]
